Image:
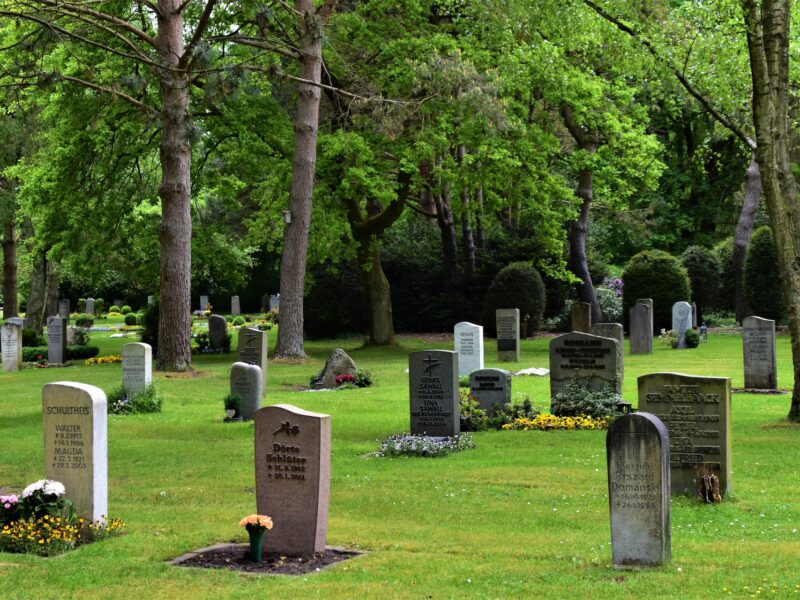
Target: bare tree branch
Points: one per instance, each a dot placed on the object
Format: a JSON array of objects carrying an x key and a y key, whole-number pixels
[
  {"x": 202, "y": 25},
  {"x": 111, "y": 91}
]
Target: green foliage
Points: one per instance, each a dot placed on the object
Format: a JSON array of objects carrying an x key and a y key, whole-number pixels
[
  {"x": 726, "y": 292},
  {"x": 473, "y": 417},
  {"x": 149, "y": 322},
  {"x": 82, "y": 336},
  {"x": 610, "y": 304},
  {"x": 34, "y": 353},
  {"x": 520, "y": 286},
  {"x": 762, "y": 282},
  {"x": 703, "y": 269},
  {"x": 84, "y": 320},
  {"x": 507, "y": 414},
  {"x": 130, "y": 319},
  {"x": 125, "y": 309},
  {"x": 720, "y": 318},
  {"x": 238, "y": 321},
  {"x": 31, "y": 339},
  {"x": 423, "y": 445},
  {"x": 692, "y": 338},
  {"x": 113, "y": 308},
  {"x": 363, "y": 378},
  {"x": 658, "y": 275},
  {"x": 121, "y": 402},
  {"x": 76, "y": 352},
  {"x": 575, "y": 399},
  {"x": 233, "y": 402}
]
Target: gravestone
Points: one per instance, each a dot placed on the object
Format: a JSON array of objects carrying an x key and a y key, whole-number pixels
[
  {"x": 697, "y": 413},
  {"x": 681, "y": 321},
  {"x": 217, "y": 330},
  {"x": 590, "y": 358},
  {"x": 56, "y": 340},
  {"x": 433, "y": 390},
  {"x": 118, "y": 303},
  {"x": 760, "y": 369},
  {"x": 236, "y": 308},
  {"x": 293, "y": 470},
  {"x": 641, "y": 326},
  {"x": 275, "y": 302},
  {"x": 151, "y": 300},
  {"x": 637, "y": 451},
  {"x": 137, "y": 367},
  {"x": 507, "y": 320},
  {"x": 694, "y": 315},
  {"x": 615, "y": 332},
  {"x": 468, "y": 339},
  {"x": 581, "y": 316},
  {"x": 22, "y": 322},
  {"x": 11, "y": 342},
  {"x": 76, "y": 444},
  {"x": 490, "y": 387},
  {"x": 253, "y": 344},
  {"x": 90, "y": 306},
  {"x": 63, "y": 309},
  {"x": 203, "y": 303},
  {"x": 71, "y": 331},
  {"x": 246, "y": 382}
]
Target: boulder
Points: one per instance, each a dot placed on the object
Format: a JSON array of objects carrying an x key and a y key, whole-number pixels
[{"x": 338, "y": 363}]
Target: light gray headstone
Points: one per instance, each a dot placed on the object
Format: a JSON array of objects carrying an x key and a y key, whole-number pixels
[
  {"x": 591, "y": 358},
  {"x": 490, "y": 387},
  {"x": 615, "y": 332},
  {"x": 217, "y": 330},
  {"x": 641, "y": 326},
  {"x": 151, "y": 300},
  {"x": 507, "y": 320},
  {"x": 275, "y": 302},
  {"x": 22, "y": 322},
  {"x": 581, "y": 316},
  {"x": 758, "y": 339},
  {"x": 63, "y": 309},
  {"x": 118, "y": 302},
  {"x": 468, "y": 339},
  {"x": 11, "y": 342},
  {"x": 236, "y": 307},
  {"x": 681, "y": 321},
  {"x": 203, "y": 302},
  {"x": 71, "y": 334},
  {"x": 56, "y": 340},
  {"x": 433, "y": 390},
  {"x": 90, "y": 306},
  {"x": 76, "y": 444},
  {"x": 293, "y": 471},
  {"x": 697, "y": 413},
  {"x": 637, "y": 450},
  {"x": 253, "y": 344},
  {"x": 246, "y": 382},
  {"x": 137, "y": 367}
]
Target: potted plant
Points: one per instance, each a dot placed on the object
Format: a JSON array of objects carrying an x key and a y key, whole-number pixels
[{"x": 233, "y": 406}]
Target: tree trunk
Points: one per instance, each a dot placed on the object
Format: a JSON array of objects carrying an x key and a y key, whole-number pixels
[
  {"x": 480, "y": 233},
  {"x": 744, "y": 231},
  {"x": 10, "y": 299},
  {"x": 767, "y": 30},
  {"x": 175, "y": 230},
  {"x": 376, "y": 286},
  {"x": 37, "y": 298},
  {"x": 295, "y": 237}
]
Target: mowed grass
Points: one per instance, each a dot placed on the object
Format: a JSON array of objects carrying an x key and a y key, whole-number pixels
[{"x": 525, "y": 515}]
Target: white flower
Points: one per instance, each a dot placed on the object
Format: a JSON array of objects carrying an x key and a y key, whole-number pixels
[{"x": 46, "y": 486}]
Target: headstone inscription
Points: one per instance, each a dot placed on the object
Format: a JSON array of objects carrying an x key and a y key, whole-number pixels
[
  {"x": 293, "y": 467},
  {"x": 253, "y": 344},
  {"x": 217, "y": 330},
  {"x": 76, "y": 444},
  {"x": 637, "y": 451},
  {"x": 203, "y": 303},
  {"x": 236, "y": 308},
  {"x": 90, "y": 306},
  {"x": 615, "y": 332},
  {"x": 468, "y": 339},
  {"x": 641, "y": 326},
  {"x": 63, "y": 308},
  {"x": 758, "y": 338},
  {"x": 681, "y": 321},
  {"x": 433, "y": 390},
  {"x": 697, "y": 413},
  {"x": 246, "y": 383},
  {"x": 11, "y": 342},
  {"x": 589, "y": 358},
  {"x": 581, "y": 315},
  {"x": 137, "y": 367},
  {"x": 507, "y": 321},
  {"x": 56, "y": 340},
  {"x": 490, "y": 387}
]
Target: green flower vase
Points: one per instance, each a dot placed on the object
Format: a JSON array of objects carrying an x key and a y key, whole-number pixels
[{"x": 256, "y": 542}]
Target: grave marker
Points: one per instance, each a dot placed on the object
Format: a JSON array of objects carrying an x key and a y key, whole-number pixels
[
  {"x": 11, "y": 342},
  {"x": 758, "y": 339},
  {"x": 217, "y": 330},
  {"x": 253, "y": 344},
  {"x": 590, "y": 358},
  {"x": 22, "y": 322},
  {"x": 681, "y": 321},
  {"x": 63, "y": 309},
  {"x": 137, "y": 367},
  {"x": 468, "y": 339},
  {"x": 90, "y": 306},
  {"x": 275, "y": 302},
  {"x": 490, "y": 387},
  {"x": 293, "y": 466},
  {"x": 433, "y": 390},
  {"x": 203, "y": 303},
  {"x": 151, "y": 300},
  {"x": 507, "y": 320},
  {"x": 615, "y": 332},
  {"x": 246, "y": 382},
  {"x": 56, "y": 340},
  {"x": 236, "y": 308},
  {"x": 581, "y": 317},
  {"x": 641, "y": 326}
]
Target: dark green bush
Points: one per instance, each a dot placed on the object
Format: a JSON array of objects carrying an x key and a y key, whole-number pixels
[
  {"x": 113, "y": 308},
  {"x": 126, "y": 309},
  {"x": 130, "y": 319},
  {"x": 575, "y": 398},
  {"x": 762, "y": 283},
  {"x": 34, "y": 353},
  {"x": 703, "y": 268},
  {"x": 473, "y": 417},
  {"x": 726, "y": 291},
  {"x": 520, "y": 286},
  {"x": 658, "y": 275},
  {"x": 31, "y": 339},
  {"x": 149, "y": 322},
  {"x": 76, "y": 352},
  {"x": 84, "y": 320},
  {"x": 508, "y": 413},
  {"x": 239, "y": 321},
  {"x": 692, "y": 338}
]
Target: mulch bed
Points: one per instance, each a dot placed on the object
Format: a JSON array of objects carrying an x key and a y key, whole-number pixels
[
  {"x": 234, "y": 557},
  {"x": 764, "y": 392}
]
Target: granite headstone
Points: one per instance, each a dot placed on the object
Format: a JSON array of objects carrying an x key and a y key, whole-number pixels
[
  {"x": 90, "y": 306},
  {"x": 468, "y": 339},
  {"x": 217, "y": 330},
  {"x": 236, "y": 307},
  {"x": 590, "y": 358},
  {"x": 615, "y": 332},
  {"x": 203, "y": 303},
  {"x": 63, "y": 308},
  {"x": 490, "y": 387},
  {"x": 253, "y": 344},
  {"x": 641, "y": 326},
  {"x": 246, "y": 382},
  {"x": 275, "y": 302},
  {"x": 11, "y": 342},
  {"x": 507, "y": 321},
  {"x": 56, "y": 340},
  {"x": 581, "y": 316},
  {"x": 137, "y": 367},
  {"x": 433, "y": 390},
  {"x": 758, "y": 338}
]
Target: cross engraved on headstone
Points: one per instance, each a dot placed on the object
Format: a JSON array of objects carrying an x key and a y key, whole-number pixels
[{"x": 431, "y": 363}]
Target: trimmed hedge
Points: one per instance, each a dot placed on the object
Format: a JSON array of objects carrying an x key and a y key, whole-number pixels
[
  {"x": 74, "y": 352},
  {"x": 726, "y": 291},
  {"x": 517, "y": 285},
  {"x": 658, "y": 275},
  {"x": 762, "y": 282},
  {"x": 703, "y": 268}
]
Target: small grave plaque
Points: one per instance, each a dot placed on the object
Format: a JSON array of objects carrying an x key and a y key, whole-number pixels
[
  {"x": 293, "y": 467},
  {"x": 581, "y": 315},
  {"x": 591, "y": 358},
  {"x": 641, "y": 326},
  {"x": 137, "y": 367},
  {"x": 758, "y": 338},
  {"x": 236, "y": 308},
  {"x": 490, "y": 387},
  {"x": 56, "y": 340},
  {"x": 468, "y": 339},
  {"x": 253, "y": 344},
  {"x": 433, "y": 388},
  {"x": 11, "y": 341},
  {"x": 507, "y": 320},
  {"x": 246, "y": 382},
  {"x": 75, "y": 444},
  {"x": 217, "y": 330},
  {"x": 637, "y": 449},
  {"x": 697, "y": 413},
  {"x": 681, "y": 321}
]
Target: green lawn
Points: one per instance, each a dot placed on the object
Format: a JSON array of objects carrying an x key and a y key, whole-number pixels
[{"x": 523, "y": 515}]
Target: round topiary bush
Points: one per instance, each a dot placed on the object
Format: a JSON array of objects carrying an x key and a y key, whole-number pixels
[
  {"x": 520, "y": 286},
  {"x": 658, "y": 275},
  {"x": 703, "y": 268},
  {"x": 726, "y": 291},
  {"x": 149, "y": 320},
  {"x": 84, "y": 320},
  {"x": 239, "y": 321},
  {"x": 125, "y": 310},
  {"x": 762, "y": 283},
  {"x": 130, "y": 319},
  {"x": 113, "y": 308}
]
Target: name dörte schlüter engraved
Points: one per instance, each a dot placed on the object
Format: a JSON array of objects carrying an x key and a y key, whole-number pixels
[{"x": 286, "y": 463}]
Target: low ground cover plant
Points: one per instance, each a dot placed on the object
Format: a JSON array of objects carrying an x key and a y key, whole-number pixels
[
  {"x": 121, "y": 402},
  {"x": 426, "y": 446}
]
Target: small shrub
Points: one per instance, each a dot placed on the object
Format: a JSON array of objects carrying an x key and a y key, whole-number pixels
[
  {"x": 113, "y": 309},
  {"x": 703, "y": 268},
  {"x": 692, "y": 338},
  {"x": 149, "y": 322},
  {"x": 121, "y": 402},
  {"x": 423, "y": 445},
  {"x": 81, "y": 305},
  {"x": 125, "y": 310},
  {"x": 82, "y": 336},
  {"x": 84, "y": 320},
  {"x": 34, "y": 353},
  {"x": 520, "y": 286},
  {"x": 228, "y": 319},
  {"x": 130, "y": 319},
  {"x": 504, "y": 415},
  {"x": 233, "y": 402},
  {"x": 576, "y": 399},
  {"x": 363, "y": 378},
  {"x": 610, "y": 304},
  {"x": 473, "y": 417},
  {"x": 76, "y": 352},
  {"x": 762, "y": 282},
  {"x": 657, "y": 275},
  {"x": 239, "y": 321},
  {"x": 669, "y": 338},
  {"x": 99, "y": 306},
  {"x": 30, "y": 338},
  {"x": 720, "y": 318}
]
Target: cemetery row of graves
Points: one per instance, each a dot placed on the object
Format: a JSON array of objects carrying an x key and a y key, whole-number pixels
[{"x": 677, "y": 447}]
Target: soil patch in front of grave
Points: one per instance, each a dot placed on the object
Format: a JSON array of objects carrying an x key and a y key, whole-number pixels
[
  {"x": 757, "y": 391},
  {"x": 234, "y": 557}
]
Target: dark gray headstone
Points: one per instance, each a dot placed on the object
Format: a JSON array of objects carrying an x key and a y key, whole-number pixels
[
  {"x": 236, "y": 308},
  {"x": 246, "y": 382},
  {"x": 697, "y": 413},
  {"x": 760, "y": 369},
  {"x": 11, "y": 342},
  {"x": 507, "y": 321},
  {"x": 637, "y": 450},
  {"x": 217, "y": 330},
  {"x": 468, "y": 340},
  {"x": 590, "y": 358},
  {"x": 490, "y": 387},
  {"x": 581, "y": 314},
  {"x": 253, "y": 344},
  {"x": 63, "y": 309},
  {"x": 56, "y": 340},
  {"x": 681, "y": 321},
  {"x": 615, "y": 332},
  {"x": 641, "y": 326},
  {"x": 433, "y": 390}
]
